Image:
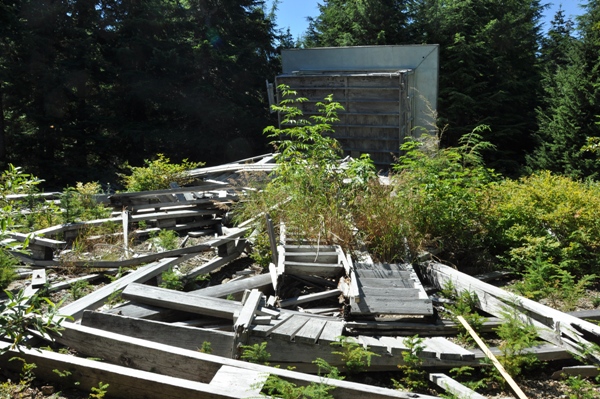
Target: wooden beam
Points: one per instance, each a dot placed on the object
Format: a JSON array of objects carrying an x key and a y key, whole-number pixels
[
  {"x": 190, "y": 338},
  {"x": 180, "y": 363},
  {"x": 123, "y": 382},
  {"x": 453, "y": 387},
  {"x": 493, "y": 358},
  {"x": 309, "y": 298},
  {"x": 561, "y": 329},
  {"x": 97, "y": 298}
]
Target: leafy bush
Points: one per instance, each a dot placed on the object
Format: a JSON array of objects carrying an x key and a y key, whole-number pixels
[
  {"x": 547, "y": 228},
  {"x": 158, "y": 174},
  {"x": 171, "y": 280},
  {"x": 78, "y": 203},
  {"x": 356, "y": 358},
  {"x": 436, "y": 200},
  {"x": 165, "y": 240},
  {"x": 17, "y": 316}
]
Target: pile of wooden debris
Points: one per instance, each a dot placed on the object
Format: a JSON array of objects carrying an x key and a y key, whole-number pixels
[{"x": 310, "y": 297}]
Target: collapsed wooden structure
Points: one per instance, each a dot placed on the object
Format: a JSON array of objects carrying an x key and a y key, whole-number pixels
[{"x": 312, "y": 297}]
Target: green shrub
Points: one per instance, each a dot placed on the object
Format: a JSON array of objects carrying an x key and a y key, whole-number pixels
[
  {"x": 78, "y": 203},
  {"x": 165, "y": 240},
  {"x": 355, "y": 357},
  {"x": 548, "y": 216},
  {"x": 414, "y": 378},
  {"x": 7, "y": 269},
  {"x": 171, "y": 280},
  {"x": 158, "y": 174},
  {"x": 309, "y": 176},
  {"x": 436, "y": 200}
]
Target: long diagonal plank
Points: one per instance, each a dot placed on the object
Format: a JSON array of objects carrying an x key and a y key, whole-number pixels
[
  {"x": 561, "y": 329},
  {"x": 123, "y": 382},
  {"x": 97, "y": 298},
  {"x": 184, "y": 337},
  {"x": 194, "y": 365}
]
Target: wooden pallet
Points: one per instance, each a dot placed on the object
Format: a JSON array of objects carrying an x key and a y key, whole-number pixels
[{"x": 387, "y": 289}]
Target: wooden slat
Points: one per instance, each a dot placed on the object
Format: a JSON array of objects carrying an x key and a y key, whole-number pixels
[
  {"x": 383, "y": 282},
  {"x": 165, "y": 333},
  {"x": 454, "y": 387},
  {"x": 331, "y": 332},
  {"x": 311, "y": 331},
  {"x": 123, "y": 382},
  {"x": 382, "y": 305},
  {"x": 289, "y": 329},
  {"x": 446, "y": 349},
  {"x": 170, "y": 361},
  {"x": 181, "y": 301},
  {"x": 248, "y": 310},
  {"x": 383, "y": 274},
  {"x": 390, "y": 294},
  {"x": 247, "y": 382},
  {"x": 97, "y": 298},
  {"x": 309, "y": 298}
]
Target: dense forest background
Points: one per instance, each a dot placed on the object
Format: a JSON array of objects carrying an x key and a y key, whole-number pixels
[{"x": 86, "y": 86}]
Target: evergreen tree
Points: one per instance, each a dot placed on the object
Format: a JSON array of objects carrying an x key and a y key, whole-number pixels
[
  {"x": 358, "y": 23},
  {"x": 488, "y": 70},
  {"x": 569, "y": 116}
]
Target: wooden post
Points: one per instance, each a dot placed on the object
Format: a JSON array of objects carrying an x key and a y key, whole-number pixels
[{"x": 272, "y": 241}]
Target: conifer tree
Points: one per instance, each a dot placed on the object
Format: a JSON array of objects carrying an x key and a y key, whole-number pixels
[{"x": 569, "y": 116}]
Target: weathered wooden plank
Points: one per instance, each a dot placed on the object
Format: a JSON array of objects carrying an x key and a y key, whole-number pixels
[
  {"x": 262, "y": 282},
  {"x": 390, "y": 293},
  {"x": 123, "y": 382},
  {"x": 552, "y": 325},
  {"x": 331, "y": 332},
  {"x": 453, "y": 387},
  {"x": 35, "y": 239},
  {"x": 313, "y": 257},
  {"x": 377, "y": 273},
  {"x": 147, "y": 312},
  {"x": 309, "y": 298},
  {"x": 247, "y": 382},
  {"x": 248, "y": 310},
  {"x": 382, "y": 305},
  {"x": 445, "y": 349},
  {"x": 170, "y": 361},
  {"x": 95, "y": 299},
  {"x": 38, "y": 278},
  {"x": 384, "y": 282},
  {"x": 311, "y": 331},
  {"x": 374, "y": 345},
  {"x": 184, "y": 337},
  {"x": 289, "y": 329},
  {"x": 317, "y": 269},
  {"x": 182, "y": 301}
]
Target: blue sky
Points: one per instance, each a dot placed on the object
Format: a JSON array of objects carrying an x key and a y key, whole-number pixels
[{"x": 293, "y": 13}]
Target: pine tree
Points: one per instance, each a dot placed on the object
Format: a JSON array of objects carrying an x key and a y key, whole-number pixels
[
  {"x": 358, "y": 23},
  {"x": 569, "y": 116}
]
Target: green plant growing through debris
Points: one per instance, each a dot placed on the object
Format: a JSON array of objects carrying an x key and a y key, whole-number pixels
[
  {"x": 19, "y": 314},
  {"x": 171, "y": 280},
  {"x": 414, "y": 377},
  {"x": 205, "y": 348},
  {"x": 464, "y": 304},
  {"x": 278, "y": 387},
  {"x": 580, "y": 388},
  {"x": 356, "y": 358},
  {"x": 164, "y": 240},
  {"x": 157, "y": 174},
  {"x": 79, "y": 289},
  {"x": 100, "y": 391},
  {"x": 256, "y": 353},
  {"x": 309, "y": 175},
  {"x": 517, "y": 336}
]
